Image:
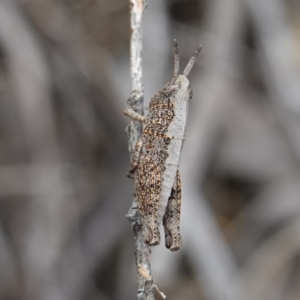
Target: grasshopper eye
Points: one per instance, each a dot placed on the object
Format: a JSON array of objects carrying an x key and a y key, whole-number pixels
[{"x": 190, "y": 93}]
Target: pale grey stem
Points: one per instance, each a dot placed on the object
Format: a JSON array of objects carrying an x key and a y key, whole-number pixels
[{"x": 134, "y": 130}]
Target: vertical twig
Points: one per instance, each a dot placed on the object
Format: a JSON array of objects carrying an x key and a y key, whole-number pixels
[{"x": 134, "y": 130}]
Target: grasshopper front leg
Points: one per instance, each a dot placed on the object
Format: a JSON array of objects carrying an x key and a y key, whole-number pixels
[
  {"x": 148, "y": 180},
  {"x": 135, "y": 157},
  {"x": 134, "y": 115},
  {"x": 138, "y": 147},
  {"x": 171, "y": 219}
]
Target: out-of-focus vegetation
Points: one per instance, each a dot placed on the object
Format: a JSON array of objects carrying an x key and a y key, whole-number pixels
[{"x": 64, "y": 82}]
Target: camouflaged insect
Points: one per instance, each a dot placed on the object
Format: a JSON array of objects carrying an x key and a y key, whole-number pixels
[{"x": 156, "y": 157}]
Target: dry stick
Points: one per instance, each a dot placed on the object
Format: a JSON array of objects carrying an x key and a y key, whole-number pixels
[{"x": 134, "y": 130}]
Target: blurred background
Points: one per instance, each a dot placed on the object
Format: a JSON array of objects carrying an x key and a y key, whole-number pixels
[{"x": 64, "y": 82}]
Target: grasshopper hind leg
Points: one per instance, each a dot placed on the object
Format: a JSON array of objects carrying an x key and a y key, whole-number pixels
[
  {"x": 148, "y": 183},
  {"x": 171, "y": 220}
]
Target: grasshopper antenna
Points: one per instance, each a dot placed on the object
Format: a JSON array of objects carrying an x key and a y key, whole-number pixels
[
  {"x": 191, "y": 63},
  {"x": 176, "y": 59}
]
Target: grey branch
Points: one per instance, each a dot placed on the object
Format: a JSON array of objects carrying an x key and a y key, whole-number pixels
[{"x": 134, "y": 130}]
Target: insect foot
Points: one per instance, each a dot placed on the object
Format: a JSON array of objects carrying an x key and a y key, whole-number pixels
[
  {"x": 154, "y": 163},
  {"x": 172, "y": 236},
  {"x": 150, "y": 231}
]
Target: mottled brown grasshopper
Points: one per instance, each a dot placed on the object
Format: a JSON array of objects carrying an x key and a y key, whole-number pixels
[{"x": 156, "y": 157}]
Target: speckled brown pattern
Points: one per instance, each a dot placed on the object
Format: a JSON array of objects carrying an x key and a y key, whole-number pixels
[
  {"x": 156, "y": 157},
  {"x": 149, "y": 159}
]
